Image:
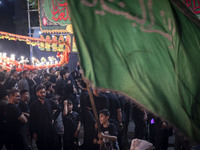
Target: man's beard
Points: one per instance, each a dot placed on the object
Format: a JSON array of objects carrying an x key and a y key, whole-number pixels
[{"x": 41, "y": 97}]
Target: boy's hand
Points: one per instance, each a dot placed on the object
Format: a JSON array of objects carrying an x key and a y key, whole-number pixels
[
  {"x": 65, "y": 102},
  {"x": 99, "y": 142}
]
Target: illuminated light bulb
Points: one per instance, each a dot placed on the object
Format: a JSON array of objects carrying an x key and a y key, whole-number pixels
[
  {"x": 12, "y": 57},
  {"x": 4, "y": 55}
]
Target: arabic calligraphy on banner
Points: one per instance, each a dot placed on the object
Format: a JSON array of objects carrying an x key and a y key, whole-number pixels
[
  {"x": 54, "y": 16},
  {"x": 194, "y": 6}
]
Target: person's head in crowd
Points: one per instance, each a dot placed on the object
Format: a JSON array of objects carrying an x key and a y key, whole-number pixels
[
  {"x": 104, "y": 115},
  {"x": 69, "y": 105},
  {"x": 66, "y": 68},
  {"x": 69, "y": 89},
  {"x": 14, "y": 96},
  {"x": 31, "y": 74},
  {"x": 2, "y": 77},
  {"x": 35, "y": 73},
  {"x": 48, "y": 85},
  {"x": 47, "y": 77},
  {"x": 78, "y": 65},
  {"x": 52, "y": 71},
  {"x": 81, "y": 83},
  {"x": 25, "y": 74},
  {"x": 64, "y": 74},
  {"x": 5, "y": 71},
  {"x": 41, "y": 92},
  {"x": 14, "y": 74},
  {"x": 95, "y": 91},
  {"x": 24, "y": 95}
]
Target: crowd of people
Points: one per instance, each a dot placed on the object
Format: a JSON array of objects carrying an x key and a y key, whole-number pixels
[{"x": 50, "y": 106}]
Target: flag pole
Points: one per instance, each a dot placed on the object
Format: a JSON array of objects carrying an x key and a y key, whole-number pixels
[{"x": 94, "y": 109}]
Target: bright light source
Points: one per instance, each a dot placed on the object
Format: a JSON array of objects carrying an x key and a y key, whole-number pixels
[
  {"x": 12, "y": 57},
  {"x": 22, "y": 57},
  {"x": 40, "y": 32},
  {"x": 65, "y": 37},
  {"x": 52, "y": 36},
  {"x": 4, "y": 55}
]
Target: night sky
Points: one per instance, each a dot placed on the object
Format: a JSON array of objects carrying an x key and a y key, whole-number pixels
[{"x": 13, "y": 19}]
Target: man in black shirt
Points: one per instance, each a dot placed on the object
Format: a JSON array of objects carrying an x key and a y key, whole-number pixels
[
  {"x": 3, "y": 92},
  {"x": 71, "y": 122},
  {"x": 23, "y": 104},
  {"x": 101, "y": 102},
  {"x": 3, "y": 104},
  {"x": 53, "y": 76},
  {"x": 16, "y": 122},
  {"x": 61, "y": 83},
  {"x": 13, "y": 79},
  {"x": 42, "y": 119}
]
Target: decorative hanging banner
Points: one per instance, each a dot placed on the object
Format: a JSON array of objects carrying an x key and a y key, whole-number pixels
[
  {"x": 54, "y": 16},
  {"x": 74, "y": 48},
  {"x": 54, "y": 45},
  {"x": 43, "y": 44},
  {"x": 194, "y": 6}
]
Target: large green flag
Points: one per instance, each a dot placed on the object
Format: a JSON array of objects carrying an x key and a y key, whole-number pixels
[{"x": 146, "y": 49}]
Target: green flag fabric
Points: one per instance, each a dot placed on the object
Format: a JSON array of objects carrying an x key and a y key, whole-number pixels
[{"x": 146, "y": 49}]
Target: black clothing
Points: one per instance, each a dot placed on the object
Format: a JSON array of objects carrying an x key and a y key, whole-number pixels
[
  {"x": 101, "y": 102},
  {"x": 12, "y": 83},
  {"x": 50, "y": 95},
  {"x": 24, "y": 107},
  {"x": 37, "y": 80},
  {"x": 76, "y": 74},
  {"x": 70, "y": 122},
  {"x": 3, "y": 92},
  {"x": 41, "y": 117},
  {"x": 15, "y": 128},
  {"x": 60, "y": 85},
  {"x": 3, "y": 131},
  {"x": 6, "y": 84},
  {"x": 53, "y": 79},
  {"x": 114, "y": 105},
  {"x": 112, "y": 131},
  {"x": 31, "y": 83},
  {"x": 140, "y": 123},
  {"x": 69, "y": 94}
]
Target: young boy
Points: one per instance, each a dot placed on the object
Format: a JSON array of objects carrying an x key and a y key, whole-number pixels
[
  {"x": 108, "y": 132},
  {"x": 71, "y": 122}
]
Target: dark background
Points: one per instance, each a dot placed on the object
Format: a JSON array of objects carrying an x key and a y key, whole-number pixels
[{"x": 14, "y": 19}]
